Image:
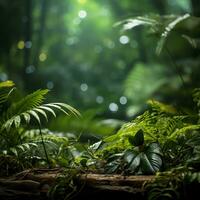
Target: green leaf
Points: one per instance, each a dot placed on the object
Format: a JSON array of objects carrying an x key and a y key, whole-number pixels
[
  {"x": 137, "y": 21},
  {"x": 70, "y": 108},
  {"x": 138, "y": 139},
  {"x": 26, "y": 117},
  {"x": 48, "y": 109},
  {"x": 147, "y": 162},
  {"x": 7, "y": 125},
  {"x": 168, "y": 30},
  {"x": 17, "y": 121},
  {"x": 41, "y": 112},
  {"x": 146, "y": 165},
  {"x": 132, "y": 160},
  {"x": 35, "y": 115}
]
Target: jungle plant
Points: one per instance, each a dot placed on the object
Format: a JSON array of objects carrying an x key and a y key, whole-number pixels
[
  {"x": 163, "y": 128},
  {"x": 141, "y": 158},
  {"x": 16, "y": 143},
  {"x": 66, "y": 185},
  {"x": 161, "y": 81},
  {"x": 164, "y": 27}
]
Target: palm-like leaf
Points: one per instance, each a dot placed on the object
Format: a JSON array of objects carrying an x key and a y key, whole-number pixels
[
  {"x": 162, "y": 25},
  {"x": 31, "y": 107},
  {"x": 168, "y": 29}
]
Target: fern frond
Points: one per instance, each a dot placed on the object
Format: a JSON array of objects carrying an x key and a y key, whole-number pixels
[
  {"x": 162, "y": 25},
  {"x": 184, "y": 130},
  {"x": 159, "y": 124},
  {"x": 70, "y": 108},
  {"x": 30, "y": 107},
  {"x": 135, "y": 83},
  {"x": 161, "y": 107},
  {"x": 137, "y": 21},
  {"x": 53, "y": 138},
  {"x": 168, "y": 29},
  {"x": 31, "y": 101},
  {"x": 23, "y": 148}
]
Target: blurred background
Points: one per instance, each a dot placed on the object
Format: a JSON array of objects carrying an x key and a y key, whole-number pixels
[{"x": 73, "y": 48}]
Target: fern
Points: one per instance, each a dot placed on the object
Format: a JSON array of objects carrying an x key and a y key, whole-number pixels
[
  {"x": 162, "y": 25},
  {"x": 148, "y": 79},
  {"x": 168, "y": 29},
  {"x": 161, "y": 123},
  {"x": 31, "y": 107},
  {"x": 59, "y": 148},
  {"x": 16, "y": 142}
]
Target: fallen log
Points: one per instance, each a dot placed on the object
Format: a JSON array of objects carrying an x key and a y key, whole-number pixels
[{"x": 32, "y": 184}]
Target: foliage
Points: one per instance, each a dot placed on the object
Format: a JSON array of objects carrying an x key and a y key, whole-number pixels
[
  {"x": 148, "y": 79},
  {"x": 164, "y": 83},
  {"x": 59, "y": 189},
  {"x": 140, "y": 159},
  {"x": 89, "y": 126},
  {"x": 159, "y": 139},
  {"x": 17, "y": 144},
  {"x": 164, "y": 26}
]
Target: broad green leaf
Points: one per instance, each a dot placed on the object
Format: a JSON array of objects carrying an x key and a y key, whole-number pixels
[
  {"x": 146, "y": 165},
  {"x": 132, "y": 159},
  {"x": 149, "y": 161},
  {"x": 138, "y": 139}
]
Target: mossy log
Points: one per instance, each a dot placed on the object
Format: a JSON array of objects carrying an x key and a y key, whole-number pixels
[{"x": 34, "y": 184}]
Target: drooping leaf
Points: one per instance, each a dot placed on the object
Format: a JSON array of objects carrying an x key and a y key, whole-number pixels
[
  {"x": 137, "y": 21},
  {"x": 168, "y": 30},
  {"x": 41, "y": 112},
  {"x": 48, "y": 109},
  {"x": 35, "y": 115}
]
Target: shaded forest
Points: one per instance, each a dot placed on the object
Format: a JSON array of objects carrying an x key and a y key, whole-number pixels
[{"x": 97, "y": 91}]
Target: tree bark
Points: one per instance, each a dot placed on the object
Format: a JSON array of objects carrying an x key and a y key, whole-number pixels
[{"x": 33, "y": 184}]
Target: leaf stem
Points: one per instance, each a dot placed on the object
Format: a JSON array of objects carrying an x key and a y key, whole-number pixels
[
  {"x": 176, "y": 67},
  {"x": 43, "y": 144}
]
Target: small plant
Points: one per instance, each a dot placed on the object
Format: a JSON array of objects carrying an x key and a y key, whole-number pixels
[
  {"x": 140, "y": 158},
  {"x": 16, "y": 143}
]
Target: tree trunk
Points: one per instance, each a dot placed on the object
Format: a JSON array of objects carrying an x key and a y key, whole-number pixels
[{"x": 40, "y": 35}]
